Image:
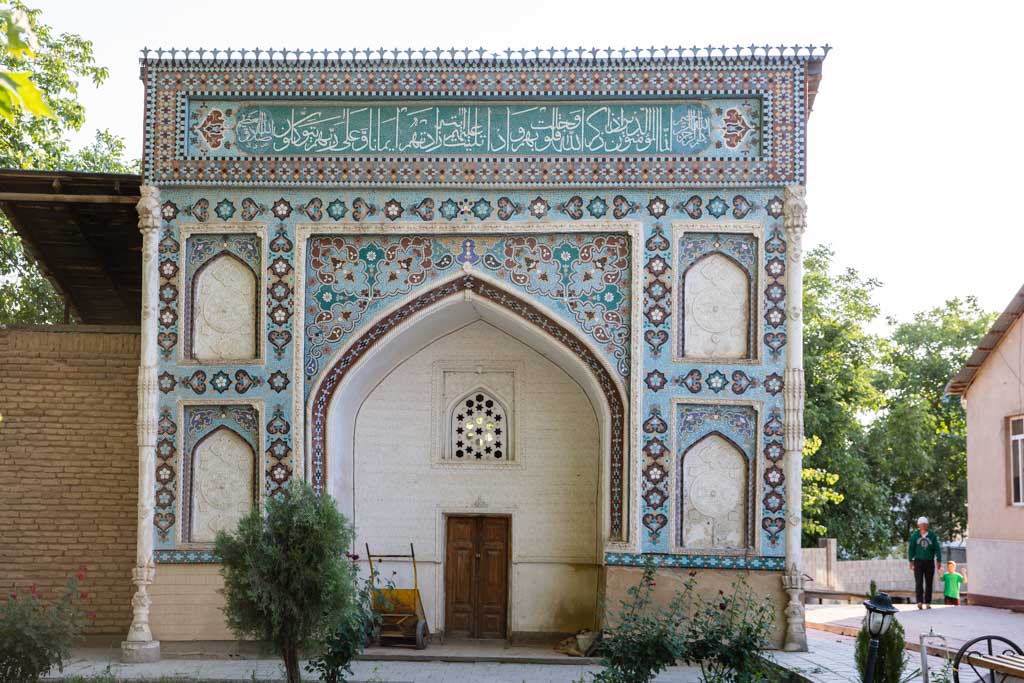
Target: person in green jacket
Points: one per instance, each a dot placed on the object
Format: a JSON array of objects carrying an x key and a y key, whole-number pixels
[{"x": 925, "y": 555}]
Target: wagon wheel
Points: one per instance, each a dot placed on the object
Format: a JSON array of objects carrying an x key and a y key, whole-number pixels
[
  {"x": 422, "y": 635},
  {"x": 979, "y": 647}
]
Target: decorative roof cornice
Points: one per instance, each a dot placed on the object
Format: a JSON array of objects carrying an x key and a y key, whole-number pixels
[{"x": 553, "y": 56}]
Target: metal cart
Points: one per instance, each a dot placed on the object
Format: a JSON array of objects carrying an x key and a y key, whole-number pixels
[{"x": 402, "y": 619}]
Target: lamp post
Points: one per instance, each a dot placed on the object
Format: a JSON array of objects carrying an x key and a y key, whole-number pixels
[{"x": 880, "y": 611}]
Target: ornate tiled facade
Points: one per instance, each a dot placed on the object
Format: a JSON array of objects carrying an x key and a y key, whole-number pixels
[
  {"x": 359, "y": 197},
  {"x": 364, "y": 263}
]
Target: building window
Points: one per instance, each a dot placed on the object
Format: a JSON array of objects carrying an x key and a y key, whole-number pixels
[
  {"x": 1017, "y": 460},
  {"x": 479, "y": 428}
]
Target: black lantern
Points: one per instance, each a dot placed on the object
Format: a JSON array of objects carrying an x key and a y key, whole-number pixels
[
  {"x": 880, "y": 611},
  {"x": 880, "y": 615}
]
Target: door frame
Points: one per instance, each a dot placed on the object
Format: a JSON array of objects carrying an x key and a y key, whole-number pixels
[{"x": 441, "y": 607}]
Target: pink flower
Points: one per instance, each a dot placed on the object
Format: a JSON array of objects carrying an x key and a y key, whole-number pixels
[
  {"x": 14, "y": 596},
  {"x": 84, "y": 595}
]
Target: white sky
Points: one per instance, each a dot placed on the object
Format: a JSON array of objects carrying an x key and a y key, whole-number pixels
[{"x": 915, "y": 144}]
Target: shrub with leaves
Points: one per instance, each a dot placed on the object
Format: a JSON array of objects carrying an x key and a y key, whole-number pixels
[
  {"x": 349, "y": 638},
  {"x": 645, "y": 639},
  {"x": 890, "y": 663},
  {"x": 727, "y": 633},
  {"x": 286, "y": 579},
  {"x": 37, "y": 634}
]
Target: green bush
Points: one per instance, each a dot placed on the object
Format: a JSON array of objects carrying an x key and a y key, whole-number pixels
[
  {"x": 724, "y": 635},
  {"x": 349, "y": 638},
  {"x": 890, "y": 663},
  {"x": 727, "y": 634},
  {"x": 37, "y": 635},
  {"x": 286, "y": 579},
  {"x": 645, "y": 640}
]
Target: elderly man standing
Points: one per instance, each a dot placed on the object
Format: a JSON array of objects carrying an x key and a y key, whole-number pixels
[{"x": 925, "y": 558}]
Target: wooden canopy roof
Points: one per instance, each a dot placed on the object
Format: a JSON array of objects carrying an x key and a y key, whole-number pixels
[{"x": 82, "y": 229}]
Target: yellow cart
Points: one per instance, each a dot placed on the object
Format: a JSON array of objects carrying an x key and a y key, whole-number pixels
[{"x": 402, "y": 619}]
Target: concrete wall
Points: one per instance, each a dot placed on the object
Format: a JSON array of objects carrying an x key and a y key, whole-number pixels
[
  {"x": 830, "y": 573},
  {"x": 403, "y": 490},
  {"x": 708, "y": 582},
  {"x": 995, "y": 546},
  {"x": 69, "y": 457}
]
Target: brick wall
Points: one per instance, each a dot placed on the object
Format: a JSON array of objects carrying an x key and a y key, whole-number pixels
[{"x": 68, "y": 456}]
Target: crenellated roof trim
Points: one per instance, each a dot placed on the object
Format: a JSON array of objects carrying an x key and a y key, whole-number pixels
[{"x": 553, "y": 56}]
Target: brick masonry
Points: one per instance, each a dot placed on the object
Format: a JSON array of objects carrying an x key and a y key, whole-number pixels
[{"x": 68, "y": 450}]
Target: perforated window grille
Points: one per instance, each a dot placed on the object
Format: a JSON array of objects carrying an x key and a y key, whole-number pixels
[{"x": 479, "y": 428}]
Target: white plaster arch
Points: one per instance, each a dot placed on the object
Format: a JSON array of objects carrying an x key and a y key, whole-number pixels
[
  {"x": 716, "y": 307},
  {"x": 714, "y": 501},
  {"x": 430, "y": 324},
  {"x": 225, "y": 310},
  {"x": 223, "y": 481}
]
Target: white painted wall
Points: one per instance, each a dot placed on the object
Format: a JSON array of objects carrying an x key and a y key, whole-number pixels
[
  {"x": 402, "y": 489},
  {"x": 995, "y": 543}
]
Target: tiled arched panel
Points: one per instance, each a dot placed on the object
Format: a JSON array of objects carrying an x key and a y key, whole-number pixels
[
  {"x": 223, "y": 484},
  {"x": 716, "y": 309},
  {"x": 224, "y": 311}
]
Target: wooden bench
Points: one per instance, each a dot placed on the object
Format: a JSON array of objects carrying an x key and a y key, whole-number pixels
[{"x": 989, "y": 658}]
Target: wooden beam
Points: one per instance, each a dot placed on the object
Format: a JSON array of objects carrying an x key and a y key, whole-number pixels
[{"x": 68, "y": 198}]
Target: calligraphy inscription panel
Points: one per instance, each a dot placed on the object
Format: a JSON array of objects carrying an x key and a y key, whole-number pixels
[{"x": 711, "y": 128}]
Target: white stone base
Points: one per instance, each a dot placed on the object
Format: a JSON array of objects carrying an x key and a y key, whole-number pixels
[{"x": 140, "y": 652}]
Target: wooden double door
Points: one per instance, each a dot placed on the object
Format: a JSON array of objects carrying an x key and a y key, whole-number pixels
[{"x": 476, "y": 577}]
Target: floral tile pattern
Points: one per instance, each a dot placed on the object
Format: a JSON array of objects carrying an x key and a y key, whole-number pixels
[{"x": 579, "y": 280}]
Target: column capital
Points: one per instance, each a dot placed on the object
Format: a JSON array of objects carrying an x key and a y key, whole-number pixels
[
  {"x": 794, "y": 209},
  {"x": 148, "y": 208},
  {"x": 794, "y": 219}
]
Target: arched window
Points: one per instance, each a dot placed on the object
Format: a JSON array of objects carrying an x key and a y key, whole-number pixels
[
  {"x": 224, "y": 311},
  {"x": 715, "y": 499},
  {"x": 479, "y": 429},
  {"x": 716, "y": 309},
  {"x": 223, "y": 484}
]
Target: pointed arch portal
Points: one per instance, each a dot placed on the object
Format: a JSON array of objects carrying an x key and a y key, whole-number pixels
[{"x": 574, "y": 355}]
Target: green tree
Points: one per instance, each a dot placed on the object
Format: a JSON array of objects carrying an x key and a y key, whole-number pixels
[
  {"x": 18, "y": 43},
  {"x": 34, "y": 139},
  {"x": 919, "y": 441},
  {"x": 819, "y": 492},
  {"x": 841, "y": 361},
  {"x": 287, "y": 581}
]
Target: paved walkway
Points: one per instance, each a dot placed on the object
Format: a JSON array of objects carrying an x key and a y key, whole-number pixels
[
  {"x": 99, "y": 663},
  {"x": 957, "y": 624},
  {"x": 830, "y": 659}
]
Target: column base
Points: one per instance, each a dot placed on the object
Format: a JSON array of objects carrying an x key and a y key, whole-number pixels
[
  {"x": 140, "y": 651},
  {"x": 795, "y": 642}
]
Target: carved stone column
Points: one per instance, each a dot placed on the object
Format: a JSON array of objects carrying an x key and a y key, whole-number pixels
[
  {"x": 139, "y": 645},
  {"x": 795, "y": 218}
]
